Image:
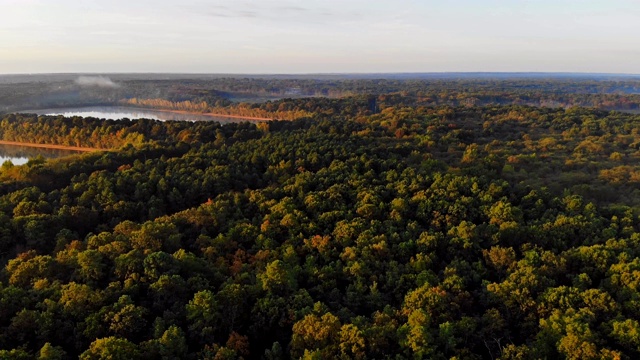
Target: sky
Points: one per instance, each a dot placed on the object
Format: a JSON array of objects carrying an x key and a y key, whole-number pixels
[{"x": 312, "y": 36}]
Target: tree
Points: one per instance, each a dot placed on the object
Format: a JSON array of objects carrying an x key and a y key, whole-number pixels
[
  {"x": 317, "y": 333},
  {"x": 154, "y": 236},
  {"x": 277, "y": 278},
  {"x": 50, "y": 352},
  {"x": 202, "y": 315},
  {"x": 111, "y": 348},
  {"x": 352, "y": 342},
  {"x": 91, "y": 266},
  {"x": 28, "y": 267},
  {"x": 126, "y": 320}
]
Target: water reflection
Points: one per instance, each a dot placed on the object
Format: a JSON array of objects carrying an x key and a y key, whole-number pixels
[
  {"x": 19, "y": 155},
  {"x": 121, "y": 112}
]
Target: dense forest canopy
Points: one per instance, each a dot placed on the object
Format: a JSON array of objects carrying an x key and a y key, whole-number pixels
[{"x": 379, "y": 225}]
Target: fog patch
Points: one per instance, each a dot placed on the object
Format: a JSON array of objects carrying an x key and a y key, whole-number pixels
[{"x": 96, "y": 81}]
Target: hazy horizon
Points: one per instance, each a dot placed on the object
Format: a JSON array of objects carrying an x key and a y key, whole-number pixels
[
  {"x": 325, "y": 73},
  {"x": 273, "y": 37}
]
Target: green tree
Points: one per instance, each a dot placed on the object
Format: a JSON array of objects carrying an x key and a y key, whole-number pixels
[
  {"x": 111, "y": 348},
  {"x": 50, "y": 352}
]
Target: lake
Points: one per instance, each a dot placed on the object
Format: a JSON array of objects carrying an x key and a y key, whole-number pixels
[
  {"x": 121, "y": 112},
  {"x": 19, "y": 155}
]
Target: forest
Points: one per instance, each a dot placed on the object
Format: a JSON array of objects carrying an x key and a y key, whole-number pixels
[
  {"x": 235, "y": 94},
  {"x": 414, "y": 223}
]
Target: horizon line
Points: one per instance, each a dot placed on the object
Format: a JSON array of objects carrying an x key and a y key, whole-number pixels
[{"x": 326, "y": 73}]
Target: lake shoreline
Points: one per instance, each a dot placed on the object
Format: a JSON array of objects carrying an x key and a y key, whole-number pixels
[
  {"x": 50, "y": 146},
  {"x": 152, "y": 113},
  {"x": 183, "y": 112}
]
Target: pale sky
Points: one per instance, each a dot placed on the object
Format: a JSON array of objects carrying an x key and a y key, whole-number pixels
[{"x": 310, "y": 36}]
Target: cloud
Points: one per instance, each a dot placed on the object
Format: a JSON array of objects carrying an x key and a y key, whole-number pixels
[
  {"x": 273, "y": 10},
  {"x": 247, "y": 14},
  {"x": 294, "y": 8},
  {"x": 220, "y": 15},
  {"x": 96, "y": 81}
]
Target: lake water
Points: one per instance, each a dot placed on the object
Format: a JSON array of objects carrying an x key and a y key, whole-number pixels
[
  {"x": 121, "y": 112},
  {"x": 19, "y": 155}
]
